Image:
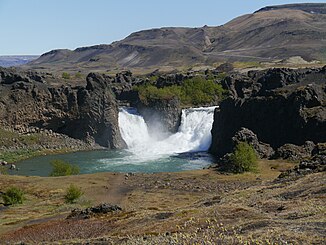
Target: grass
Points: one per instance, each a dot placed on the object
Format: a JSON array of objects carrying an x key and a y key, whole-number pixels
[
  {"x": 8, "y": 138},
  {"x": 247, "y": 211},
  {"x": 22, "y": 154},
  {"x": 17, "y": 147},
  {"x": 248, "y": 64}
]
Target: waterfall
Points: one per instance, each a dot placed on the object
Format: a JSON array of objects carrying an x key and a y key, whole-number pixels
[{"x": 193, "y": 134}]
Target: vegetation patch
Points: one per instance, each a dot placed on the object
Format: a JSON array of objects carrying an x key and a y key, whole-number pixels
[
  {"x": 65, "y": 75},
  {"x": 18, "y": 155},
  {"x": 62, "y": 168},
  {"x": 247, "y": 64},
  {"x": 13, "y": 196},
  {"x": 194, "y": 91},
  {"x": 243, "y": 159},
  {"x": 72, "y": 194}
]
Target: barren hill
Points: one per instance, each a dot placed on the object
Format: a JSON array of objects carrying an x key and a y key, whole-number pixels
[{"x": 271, "y": 33}]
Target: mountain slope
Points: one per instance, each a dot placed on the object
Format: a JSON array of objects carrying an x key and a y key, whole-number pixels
[{"x": 271, "y": 33}]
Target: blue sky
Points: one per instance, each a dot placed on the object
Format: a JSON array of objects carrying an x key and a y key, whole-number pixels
[{"x": 37, "y": 26}]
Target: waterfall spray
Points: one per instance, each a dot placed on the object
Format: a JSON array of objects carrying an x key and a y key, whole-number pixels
[{"x": 193, "y": 134}]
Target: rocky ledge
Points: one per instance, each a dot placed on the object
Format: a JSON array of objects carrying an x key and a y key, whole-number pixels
[
  {"x": 87, "y": 113},
  {"x": 284, "y": 108}
]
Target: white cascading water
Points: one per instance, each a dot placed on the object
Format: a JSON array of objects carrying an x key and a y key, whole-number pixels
[{"x": 193, "y": 134}]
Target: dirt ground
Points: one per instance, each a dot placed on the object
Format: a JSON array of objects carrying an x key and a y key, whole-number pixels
[{"x": 191, "y": 207}]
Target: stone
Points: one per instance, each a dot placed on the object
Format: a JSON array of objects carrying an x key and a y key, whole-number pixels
[
  {"x": 294, "y": 152},
  {"x": 245, "y": 135},
  {"x": 161, "y": 115},
  {"x": 87, "y": 213}
]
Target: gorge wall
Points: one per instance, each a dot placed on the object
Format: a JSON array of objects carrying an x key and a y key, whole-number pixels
[
  {"x": 279, "y": 105},
  {"x": 89, "y": 113}
]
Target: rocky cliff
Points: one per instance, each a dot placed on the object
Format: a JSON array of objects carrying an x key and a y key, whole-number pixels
[
  {"x": 89, "y": 113},
  {"x": 279, "y": 105}
]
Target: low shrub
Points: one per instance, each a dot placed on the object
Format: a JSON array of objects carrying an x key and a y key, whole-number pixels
[
  {"x": 3, "y": 170},
  {"x": 243, "y": 159},
  {"x": 73, "y": 193},
  {"x": 65, "y": 75},
  {"x": 12, "y": 196},
  {"x": 62, "y": 168},
  {"x": 193, "y": 91}
]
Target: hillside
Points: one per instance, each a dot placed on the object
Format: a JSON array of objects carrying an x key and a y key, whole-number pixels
[{"x": 269, "y": 34}]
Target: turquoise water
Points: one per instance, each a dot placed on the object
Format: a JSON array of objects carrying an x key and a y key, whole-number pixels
[
  {"x": 146, "y": 153},
  {"x": 114, "y": 161}
]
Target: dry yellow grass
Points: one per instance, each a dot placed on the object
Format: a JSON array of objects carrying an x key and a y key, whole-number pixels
[{"x": 168, "y": 208}]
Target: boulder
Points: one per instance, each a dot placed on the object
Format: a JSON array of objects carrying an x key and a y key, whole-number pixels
[
  {"x": 161, "y": 115},
  {"x": 87, "y": 213},
  {"x": 245, "y": 135},
  {"x": 294, "y": 152},
  {"x": 317, "y": 163}
]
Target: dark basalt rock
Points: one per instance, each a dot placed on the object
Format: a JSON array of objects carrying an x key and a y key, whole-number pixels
[
  {"x": 89, "y": 113},
  {"x": 87, "y": 213},
  {"x": 162, "y": 115},
  {"x": 279, "y": 105},
  {"x": 294, "y": 152},
  {"x": 245, "y": 135},
  {"x": 316, "y": 163}
]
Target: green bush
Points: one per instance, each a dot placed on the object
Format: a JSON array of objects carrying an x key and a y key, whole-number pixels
[
  {"x": 72, "y": 194},
  {"x": 78, "y": 75},
  {"x": 65, "y": 75},
  {"x": 12, "y": 196},
  {"x": 194, "y": 91},
  {"x": 62, "y": 168},
  {"x": 243, "y": 159},
  {"x": 3, "y": 170}
]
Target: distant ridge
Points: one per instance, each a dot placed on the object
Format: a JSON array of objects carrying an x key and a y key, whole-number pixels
[
  {"x": 271, "y": 33},
  {"x": 16, "y": 60},
  {"x": 317, "y": 8}
]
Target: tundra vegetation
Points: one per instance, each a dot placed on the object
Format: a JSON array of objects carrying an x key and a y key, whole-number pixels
[
  {"x": 72, "y": 194},
  {"x": 12, "y": 196},
  {"x": 243, "y": 159},
  {"x": 193, "y": 91},
  {"x": 62, "y": 168}
]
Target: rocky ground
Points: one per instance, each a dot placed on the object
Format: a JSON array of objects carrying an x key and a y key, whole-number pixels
[{"x": 170, "y": 208}]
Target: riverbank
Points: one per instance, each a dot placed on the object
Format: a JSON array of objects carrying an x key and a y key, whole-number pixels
[
  {"x": 17, "y": 145},
  {"x": 163, "y": 208}
]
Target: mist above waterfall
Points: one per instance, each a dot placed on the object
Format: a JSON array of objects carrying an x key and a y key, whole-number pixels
[{"x": 193, "y": 134}]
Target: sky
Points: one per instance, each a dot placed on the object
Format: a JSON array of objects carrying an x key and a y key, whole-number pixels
[{"x": 33, "y": 27}]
